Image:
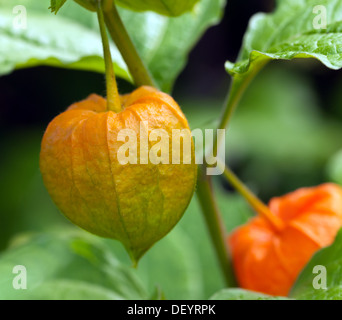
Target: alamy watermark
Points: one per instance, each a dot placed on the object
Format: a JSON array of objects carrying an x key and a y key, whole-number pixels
[
  {"x": 159, "y": 146},
  {"x": 320, "y": 280},
  {"x": 20, "y": 19},
  {"x": 20, "y": 280},
  {"x": 321, "y": 19}
]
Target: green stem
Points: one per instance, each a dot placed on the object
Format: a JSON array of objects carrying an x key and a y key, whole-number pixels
[
  {"x": 120, "y": 36},
  {"x": 206, "y": 197},
  {"x": 204, "y": 188},
  {"x": 113, "y": 98},
  {"x": 215, "y": 226},
  {"x": 239, "y": 85},
  {"x": 253, "y": 200}
]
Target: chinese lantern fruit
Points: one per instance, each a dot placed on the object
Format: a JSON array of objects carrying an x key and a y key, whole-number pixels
[
  {"x": 267, "y": 257},
  {"x": 135, "y": 203}
]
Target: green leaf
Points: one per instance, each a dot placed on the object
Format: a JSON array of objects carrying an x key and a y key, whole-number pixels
[
  {"x": 172, "y": 266},
  {"x": 240, "y": 294},
  {"x": 164, "y": 7},
  {"x": 71, "y": 265},
  {"x": 169, "y": 40},
  {"x": 56, "y": 5},
  {"x": 171, "y": 8},
  {"x": 329, "y": 258},
  {"x": 51, "y": 40},
  {"x": 72, "y": 40},
  {"x": 290, "y": 33}
]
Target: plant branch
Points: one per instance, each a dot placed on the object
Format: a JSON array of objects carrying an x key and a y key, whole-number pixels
[
  {"x": 204, "y": 188},
  {"x": 253, "y": 200},
  {"x": 238, "y": 87},
  {"x": 113, "y": 98},
  {"x": 120, "y": 36},
  {"x": 215, "y": 226}
]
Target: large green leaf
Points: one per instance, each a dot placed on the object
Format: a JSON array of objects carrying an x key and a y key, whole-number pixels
[
  {"x": 329, "y": 258},
  {"x": 69, "y": 266},
  {"x": 165, "y": 7},
  {"x": 71, "y": 38},
  {"x": 50, "y": 40},
  {"x": 290, "y": 33},
  {"x": 164, "y": 43},
  {"x": 240, "y": 294}
]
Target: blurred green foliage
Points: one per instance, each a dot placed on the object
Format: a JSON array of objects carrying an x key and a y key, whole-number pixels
[{"x": 279, "y": 140}]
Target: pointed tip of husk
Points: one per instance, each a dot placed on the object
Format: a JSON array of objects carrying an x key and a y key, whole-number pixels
[{"x": 135, "y": 256}]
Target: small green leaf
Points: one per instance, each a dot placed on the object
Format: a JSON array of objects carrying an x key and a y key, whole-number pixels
[
  {"x": 240, "y": 294},
  {"x": 329, "y": 262},
  {"x": 164, "y": 7},
  {"x": 56, "y": 5},
  {"x": 290, "y": 32}
]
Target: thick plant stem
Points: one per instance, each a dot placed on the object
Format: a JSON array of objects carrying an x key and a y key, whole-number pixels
[
  {"x": 113, "y": 98},
  {"x": 205, "y": 192},
  {"x": 253, "y": 200},
  {"x": 215, "y": 225},
  {"x": 120, "y": 36},
  {"x": 238, "y": 87},
  {"x": 204, "y": 188}
]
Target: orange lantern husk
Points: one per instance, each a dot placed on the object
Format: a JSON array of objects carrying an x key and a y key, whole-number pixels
[
  {"x": 267, "y": 257},
  {"x": 135, "y": 203}
]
